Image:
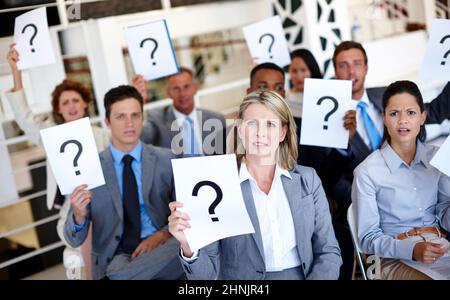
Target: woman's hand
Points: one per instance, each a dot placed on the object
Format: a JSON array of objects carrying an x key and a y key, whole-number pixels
[
  {"x": 79, "y": 200},
  {"x": 13, "y": 58},
  {"x": 178, "y": 222},
  {"x": 427, "y": 252}
]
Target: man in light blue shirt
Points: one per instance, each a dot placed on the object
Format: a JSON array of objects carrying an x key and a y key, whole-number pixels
[{"x": 129, "y": 213}]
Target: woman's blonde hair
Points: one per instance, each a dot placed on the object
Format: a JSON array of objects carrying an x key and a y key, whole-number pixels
[{"x": 287, "y": 150}]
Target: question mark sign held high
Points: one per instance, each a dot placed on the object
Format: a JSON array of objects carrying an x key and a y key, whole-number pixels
[
  {"x": 75, "y": 159},
  {"x": 446, "y": 53},
  {"x": 216, "y": 202},
  {"x": 336, "y": 105},
  {"x": 154, "y": 49},
  {"x": 272, "y": 40},
  {"x": 34, "y": 33}
]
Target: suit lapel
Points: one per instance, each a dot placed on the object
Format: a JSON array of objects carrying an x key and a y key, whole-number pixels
[
  {"x": 201, "y": 120},
  {"x": 148, "y": 171},
  {"x": 111, "y": 181},
  {"x": 294, "y": 193},
  {"x": 250, "y": 205},
  {"x": 169, "y": 118},
  {"x": 360, "y": 146}
]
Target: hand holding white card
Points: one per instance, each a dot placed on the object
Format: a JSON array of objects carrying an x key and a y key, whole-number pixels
[
  {"x": 32, "y": 38},
  {"x": 73, "y": 155},
  {"x": 151, "y": 49},
  {"x": 325, "y": 103},
  {"x": 210, "y": 191},
  {"x": 267, "y": 43}
]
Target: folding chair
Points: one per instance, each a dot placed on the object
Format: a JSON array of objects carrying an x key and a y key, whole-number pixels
[{"x": 352, "y": 224}]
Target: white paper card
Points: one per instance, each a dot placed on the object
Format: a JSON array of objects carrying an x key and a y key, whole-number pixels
[
  {"x": 73, "y": 155},
  {"x": 210, "y": 190},
  {"x": 436, "y": 63},
  {"x": 325, "y": 103},
  {"x": 32, "y": 39},
  {"x": 151, "y": 49},
  {"x": 267, "y": 42},
  {"x": 441, "y": 159}
]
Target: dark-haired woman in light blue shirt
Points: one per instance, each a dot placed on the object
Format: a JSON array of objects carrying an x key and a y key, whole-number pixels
[{"x": 400, "y": 201}]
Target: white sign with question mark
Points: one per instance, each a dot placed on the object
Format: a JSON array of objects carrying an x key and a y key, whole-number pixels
[
  {"x": 211, "y": 193},
  {"x": 32, "y": 38},
  {"x": 436, "y": 63},
  {"x": 267, "y": 42},
  {"x": 73, "y": 155},
  {"x": 325, "y": 103},
  {"x": 151, "y": 49}
]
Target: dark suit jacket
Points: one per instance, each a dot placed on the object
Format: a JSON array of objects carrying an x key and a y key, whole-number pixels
[
  {"x": 161, "y": 129},
  {"x": 106, "y": 208},
  {"x": 311, "y": 156},
  {"x": 339, "y": 169}
]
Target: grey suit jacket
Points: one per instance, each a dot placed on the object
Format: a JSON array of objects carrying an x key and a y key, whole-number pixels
[
  {"x": 106, "y": 210},
  {"x": 242, "y": 257},
  {"x": 160, "y": 129}
]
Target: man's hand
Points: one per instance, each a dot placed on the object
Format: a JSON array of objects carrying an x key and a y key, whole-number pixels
[
  {"x": 150, "y": 243},
  {"x": 350, "y": 122},
  {"x": 79, "y": 200},
  {"x": 141, "y": 85}
]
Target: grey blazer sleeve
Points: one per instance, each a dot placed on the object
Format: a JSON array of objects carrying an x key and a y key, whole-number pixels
[
  {"x": 327, "y": 257},
  {"x": 74, "y": 239},
  {"x": 206, "y": 266}
]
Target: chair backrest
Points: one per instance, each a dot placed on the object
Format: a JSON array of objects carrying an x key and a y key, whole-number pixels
[{"x": 352, "y": 225}]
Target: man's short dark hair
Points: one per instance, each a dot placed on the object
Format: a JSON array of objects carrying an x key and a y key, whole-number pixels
[
  {"x": 347, "y": 45},
  {"x": 182, "y": 70},
  {"x": 120, "y": 93},
  {"x": 265, "y": 66}
]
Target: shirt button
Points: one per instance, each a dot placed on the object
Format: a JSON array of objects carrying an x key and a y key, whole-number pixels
[
  {"x": 420, "y": 208},
  {"x": 415, "y": 189}
]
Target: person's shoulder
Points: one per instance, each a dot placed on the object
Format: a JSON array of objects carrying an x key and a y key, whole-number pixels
[
  {"x": 375, "y": 94},
  {"x": 369, "y": 162},
  {"x": 159, "y": 152},
  {"x": 305, "y": 172},
  {"x": 158, "y": 112},
  {"x": 376, "y": 90},
  {"x": 209, "y": 114},
  {"x": 430, "y": 150}
]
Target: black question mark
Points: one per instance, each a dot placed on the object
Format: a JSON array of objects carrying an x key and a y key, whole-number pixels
[
  {"x": 272, "y": 40},
  {"x": 216, "y": 202},
  {"x": 153, "y": 51},
  {"x": 446, "y": 53},
  {"x": 34, "y": 33},
  {"x": 336, "y": 105},
  {"x": 75, "y": 159}
]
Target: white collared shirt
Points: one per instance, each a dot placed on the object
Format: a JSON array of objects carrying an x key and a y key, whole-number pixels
[
  {"x": 374, "y": 114},
  {"x": 180, "y": 117},
  {"x": 275, "y": 221}
]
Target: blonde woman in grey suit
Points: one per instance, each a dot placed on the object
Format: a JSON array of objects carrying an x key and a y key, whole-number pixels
[
  {"x": 70, "y": 100},
  {"x": 293, "y": 238}
]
